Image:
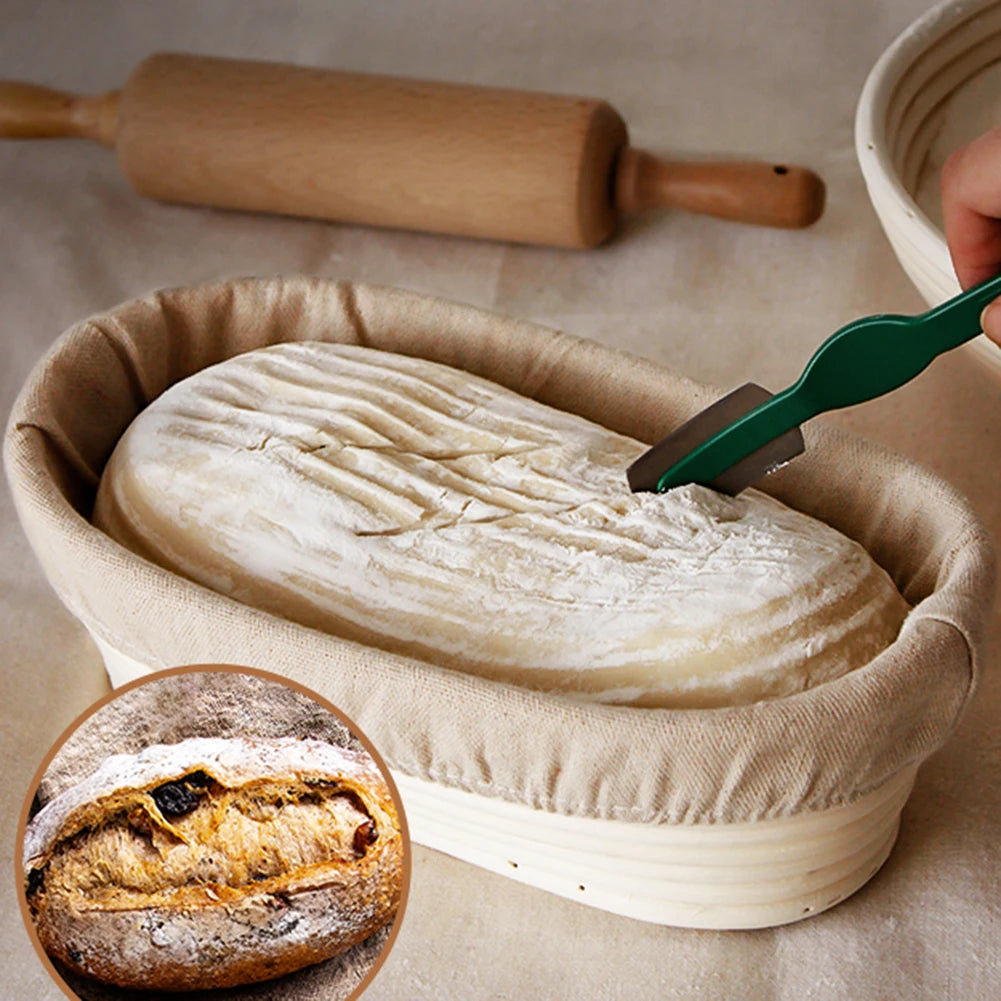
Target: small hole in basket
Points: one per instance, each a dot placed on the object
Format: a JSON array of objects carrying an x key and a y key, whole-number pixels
[
  {"x": 806, "y": 910},
  {"x": 581, "y": 887},
  {"x": 513, "y": 865},
  {"x": 781, "y": 170}
]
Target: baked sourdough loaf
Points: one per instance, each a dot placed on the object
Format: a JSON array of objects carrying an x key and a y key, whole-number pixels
[
  {"x": 416, "y": 508},
  {"x": 214, "y": 862}
]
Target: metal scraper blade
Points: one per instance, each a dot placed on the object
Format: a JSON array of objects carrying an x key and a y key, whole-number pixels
[{"x": 647, "y": 470}]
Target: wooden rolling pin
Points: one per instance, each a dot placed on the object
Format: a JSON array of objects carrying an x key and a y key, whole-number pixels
[{"x": 467, "y": 160}]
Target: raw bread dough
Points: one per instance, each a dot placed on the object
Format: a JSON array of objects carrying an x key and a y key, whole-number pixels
[{"x": 416, "y": 508}]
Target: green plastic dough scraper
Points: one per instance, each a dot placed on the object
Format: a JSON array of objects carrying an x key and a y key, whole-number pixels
[{"x": 749, "y": 433}]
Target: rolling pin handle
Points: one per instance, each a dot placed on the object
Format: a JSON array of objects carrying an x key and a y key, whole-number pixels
[
  {"x": 29, "y": 111},
  {"x": 763, "y": 194}
]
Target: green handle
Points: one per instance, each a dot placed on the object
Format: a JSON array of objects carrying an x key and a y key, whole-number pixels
[{"x": 861, "y": 361}]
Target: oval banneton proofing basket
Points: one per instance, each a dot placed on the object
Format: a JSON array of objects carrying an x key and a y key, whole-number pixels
[
  {"x": 900, "y": 113},
  {"x": 729, "y": 818}
]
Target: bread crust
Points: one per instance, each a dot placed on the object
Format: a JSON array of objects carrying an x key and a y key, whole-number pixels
[{"x": 233, "y": 925}]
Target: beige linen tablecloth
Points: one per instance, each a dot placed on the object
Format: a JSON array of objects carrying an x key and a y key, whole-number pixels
[{"x": 713, "y": 300}]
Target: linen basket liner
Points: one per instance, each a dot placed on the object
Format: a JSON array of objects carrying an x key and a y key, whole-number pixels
[{"x": 811, "y": 751}]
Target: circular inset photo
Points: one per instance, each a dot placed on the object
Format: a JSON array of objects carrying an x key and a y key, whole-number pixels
[{"x": 216, "y": 830}]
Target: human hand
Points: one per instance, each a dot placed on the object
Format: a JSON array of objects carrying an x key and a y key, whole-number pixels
[{"x": 971, "y": 207}]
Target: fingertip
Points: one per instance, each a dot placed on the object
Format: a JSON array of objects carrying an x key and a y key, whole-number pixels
[{"x": 990, "y": 321}]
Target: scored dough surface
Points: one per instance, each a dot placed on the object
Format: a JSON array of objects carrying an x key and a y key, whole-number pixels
[{"x": 417, "y": 508}]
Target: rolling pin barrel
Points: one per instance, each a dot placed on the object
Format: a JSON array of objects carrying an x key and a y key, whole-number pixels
[
  {"x": 440, "y": 157},
  {"x": 383, "y": 151}
]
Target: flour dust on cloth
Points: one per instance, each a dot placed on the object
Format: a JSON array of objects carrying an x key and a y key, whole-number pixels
[{"x": 411, "y": 506}]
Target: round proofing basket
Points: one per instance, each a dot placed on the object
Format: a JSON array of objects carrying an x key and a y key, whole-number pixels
[
  {"x": 900, "y": 113},
  {"x": 729, "y": 818}
]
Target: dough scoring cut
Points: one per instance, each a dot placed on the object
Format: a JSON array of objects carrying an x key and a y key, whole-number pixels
[{"x": 419, "y": 509}]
